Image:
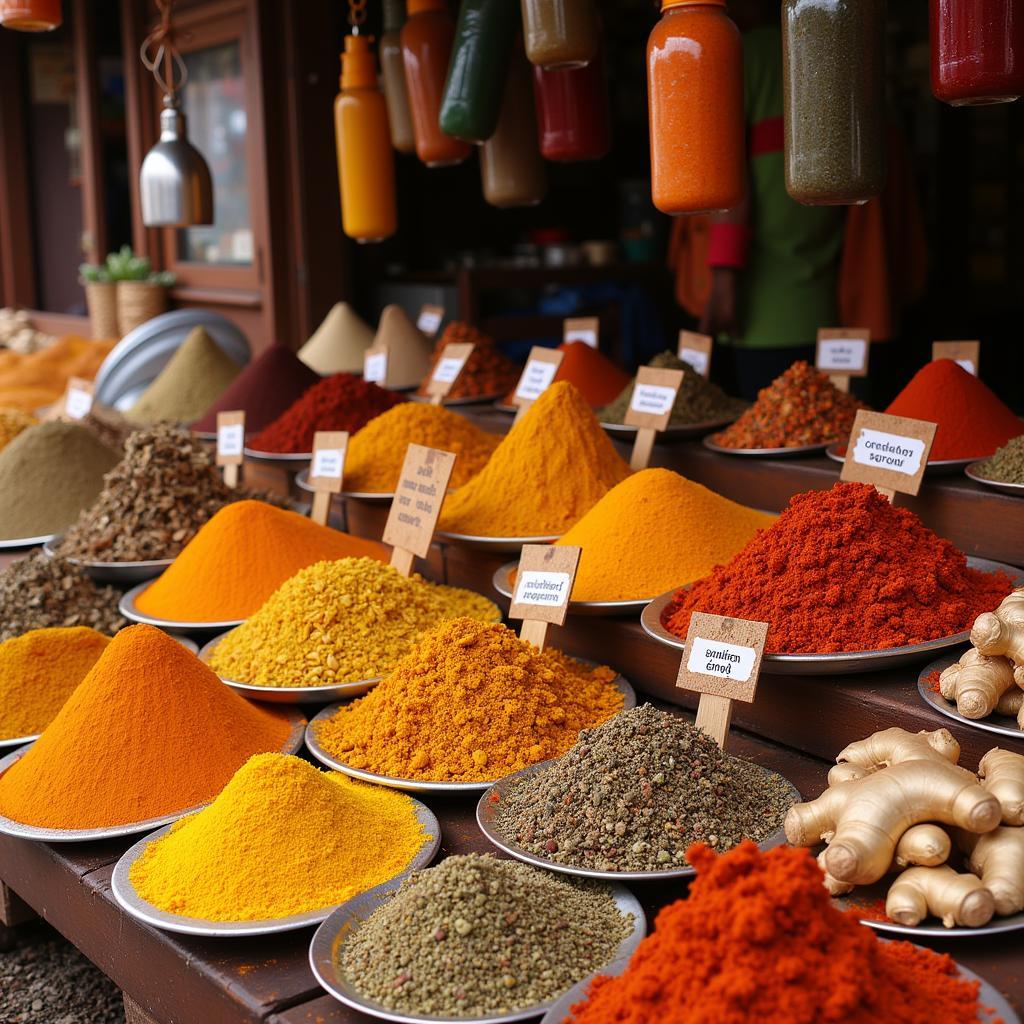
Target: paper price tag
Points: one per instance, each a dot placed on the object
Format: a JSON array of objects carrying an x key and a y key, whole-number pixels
[
  {"x": 230, "y": 438},
  {"x": 538, "y": 374},
  {"x": 582, "y": 328},
  {"x": 695, "y": 349},
  {"x": 327, "y": 467},
  {"x": 422, "y": 486},
  {"x": 543, "y": 588},
  {"x": 843, "y": 351},
  {"x": 430, "y": 319},
  {"x": 448, "y": 368},
  {"x": 653, "y": 397},
  {"x": 964, "y": 353},
  {"x": 78, "y": 398},
  {"x": 890, "y": 452},
  {"x": 375, "y": 367}
]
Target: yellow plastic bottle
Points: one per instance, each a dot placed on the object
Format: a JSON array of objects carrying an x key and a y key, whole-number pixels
[{"x": 366, "y": 162}]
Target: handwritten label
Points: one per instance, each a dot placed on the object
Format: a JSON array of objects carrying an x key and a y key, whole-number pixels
[
  {"x": 964, "y": 353},
  {"x": 421, "y": 490},
  {"x": 546, "y": 588},
  {"x": 723, "y": 656},
  {"x": 695, "y": 349},
  {"x": 843, "y": 350},
  {"x": 900, "y": 454},
  {"x": 230, "y": 438},
  {"x": 78, "y": 398},
  {"x": 449, "y": 366},
  {"x": 654, "y": 394},
  {"x": 582, "y": 328},
  {"x": 375, "y": 367},
  {"x": 654, "y": 399},
  {"x": 540, "y": 371},
  {"x": 430, "y": 319},
  {"x": 890, "y": 452},
  {"x": 448, "y": 369},
  {"x": 544, "y": 582},
  {"x": 714, "y": 658},
  {"x": 327, "y": 468}
]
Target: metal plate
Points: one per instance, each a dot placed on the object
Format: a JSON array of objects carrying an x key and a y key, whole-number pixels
[
  {"x": 285, "y": 460},
  {"x": 26, "y": 542},
  {"x": 419, "y": 785},
  {"x": 503, "y": 585},
  {"x": 289, "y": 694},
  {"x": 112, "y": 572},
  {"x": 512, "y": 410},
  {"x": 125, "y": 894},
  {"x": 1001, "y": 725},
  {"x": 487, "y": 818},
  {"x": 493, "y": 543},
  {"x": 764, "y": 453},
  {"x": 302, "y": 480},
  {"x": 126, "y": 606},
  {"x": 972, "y": 470},
  {"x": 678, "y": 432},
  {"x": 82, "y": 835},
  {"x": 841, "y": 662},
  {"x": 467, "y": 400},
  {"x": 934, "y": 467},
  {"x": 137, "y": 359},
  {"x": 349, "y": 918}
]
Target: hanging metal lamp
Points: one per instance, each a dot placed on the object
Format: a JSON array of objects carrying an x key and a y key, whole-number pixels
[{"x": 175, "y": 187}]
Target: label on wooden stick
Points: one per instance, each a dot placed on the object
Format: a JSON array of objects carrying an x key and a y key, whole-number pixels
[
  {"x": 963, "y": 353},
  {"x": 420, "y": 493},
  {"x": 723, "y": 656},
  {"x": 430, "y": 319},
  {"x": 78, "y": 398},
  {"x": 448, "y": 368},
  {"x": 582, "y": 328},
  {"x": 544, "y": 582},
  {"x": 890, "y": 452},
  {"x": 843, "y": 351},
  {"x": 654, "y": 395},
  {"x": 375, "y": 367},
  {"x": 230, "y": 438},
  {"x": 538, "y": 374},
  {"x": 695, "y": 350},
  {"x": 327, "y": 468}
]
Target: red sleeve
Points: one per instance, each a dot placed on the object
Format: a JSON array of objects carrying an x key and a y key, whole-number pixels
[{"x": 727, "y": 246}]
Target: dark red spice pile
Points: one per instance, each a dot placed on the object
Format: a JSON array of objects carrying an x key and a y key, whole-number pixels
[
  {"x": 844, "y": 570},
  {"x": 341, "y": 402},
  {"x": 487, "y": 372}
]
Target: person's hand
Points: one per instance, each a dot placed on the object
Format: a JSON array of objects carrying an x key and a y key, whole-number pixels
[{"x": 721, "y": 313}]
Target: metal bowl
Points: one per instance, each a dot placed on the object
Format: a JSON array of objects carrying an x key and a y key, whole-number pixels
[
  {"x": 764, "y": 453},
  {"x": 112, "y": 572},
  {"x": 498, "y": 544},
  {"x": 382, "y": 497},
  {"x": 126, "y": 606},
  {"x": 26, "y": 542},
  {"x": 678, "y": 432},
  {"x": 1001, "y": 725},
  {"x": 503, "y": 585},
  {"x": 466, "y": 400},
  {"x": 934, "y": 467},
  {"x": 972, "y": 470}
]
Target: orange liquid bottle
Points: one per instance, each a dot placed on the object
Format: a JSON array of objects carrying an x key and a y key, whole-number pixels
[{"x": 31, "y": 15}]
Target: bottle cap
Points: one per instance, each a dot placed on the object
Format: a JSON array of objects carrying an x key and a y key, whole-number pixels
[
  {"x": 358, "y": 65},
  {"x": 422, "y": 6}
]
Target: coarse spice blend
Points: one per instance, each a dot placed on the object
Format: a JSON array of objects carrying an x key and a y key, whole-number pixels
[
  {"x": 1007, "y": 465},
  {"x": 635, "y": 793},
  {"x": 476, "y": 936}
]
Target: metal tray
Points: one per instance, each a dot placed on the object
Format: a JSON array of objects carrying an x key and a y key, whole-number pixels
[
  {"x": 841, "y": 662},
  {"x": 302, "y": 481},
  {"x": 82, "y": 835},
  {"x": 971, "y": 470},
  {"x": 681, "y": 432},
  {"x": 1001, "y": 725},
  {"x": 330, "y": 937},
  {"x": 467, "y": 400},
  {"x": 498, "y": 544},
  {"x": 934, "y": 467},
  {"x": 502, "y": 584},
  {"x": 112, "y": 572},
  {"x": 419, "y": 785},
  {"x": 286, "y": 459},
  {"x": 487, "y": 818},
  {"x": 126, "y": 606},
  {"x": 125, "y": 894},
  {"x": 26, "y": 542},
  {"x": 764, "y": 453},
  {"x": 290, "y": 694}
]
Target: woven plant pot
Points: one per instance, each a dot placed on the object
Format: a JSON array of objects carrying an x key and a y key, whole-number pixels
[
  {"x": 137, "y": 302},
  {"x": 101, "y": 298}
]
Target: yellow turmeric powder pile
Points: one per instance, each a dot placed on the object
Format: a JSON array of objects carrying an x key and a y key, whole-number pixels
[
  {"x": 282, "y": 838},
  {"x": 339, "y": 622},
  {"x": 549, "y": 470},
  {"x": 471, "y": 703},
  {"x": 375, "y": 453},
  {"x": 38, "y": 672},
  {"x": 655, "y": 531},
  {"x": 12, "y": 423}
]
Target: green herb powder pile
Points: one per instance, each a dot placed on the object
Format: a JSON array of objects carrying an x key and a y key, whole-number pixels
[
  {"x": 476, "y": 936},
  {"x": 1007, "y": 465},
  {"x": 633, "y": 795}
]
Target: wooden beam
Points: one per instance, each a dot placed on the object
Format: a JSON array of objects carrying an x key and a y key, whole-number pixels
[{"x": 87, "y": 98}]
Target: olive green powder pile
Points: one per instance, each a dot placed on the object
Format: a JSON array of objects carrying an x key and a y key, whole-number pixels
[
  {"x": 1007, "y": 465},
  {"x": 698, "y": 400},
  {"x": 476, "y": 936},
  {"x": 635, "y": 793}
]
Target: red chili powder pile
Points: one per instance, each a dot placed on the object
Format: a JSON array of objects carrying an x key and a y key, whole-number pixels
[
  {"x": 972, "y": 421},
  {"x": 844, "y": 570},
  {"x": 758, "y": 939},
  {"x": 341, "y": 402}
]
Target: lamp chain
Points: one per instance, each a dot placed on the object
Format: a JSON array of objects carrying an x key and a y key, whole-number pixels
[
  {"x": 356, "y": 14},
  {"x": 160, "y": 56}
]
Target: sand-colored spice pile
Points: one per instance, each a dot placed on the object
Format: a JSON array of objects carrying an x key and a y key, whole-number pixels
[
  {"x": 150, "y": 731},
  {"x": 12, "y": 423},
  {"x": 471, "y": 703},
  {"x": 39, "y": 671},
  {"x": 375, "y": 455},
  {"x": 48, "y": 474},
  {"x": 487, "y": 372},
  {"x": 338, "y": 344},
  {"x": 28, "y": 382},
  {"x": 551, "y": 468},
  {"x": 844, "y": 570},
  {"x": 591, "y": 372},
  {"x": 282, "y": 838},
  {"x": 339, "y": 622},
  {"x": 800, "y": 407},
  {"x": 408, "y": 348},
  {"x": 239, "y": 558},
  {"x": 195, "y": 377},
  {"x": 654, "y": 531}
]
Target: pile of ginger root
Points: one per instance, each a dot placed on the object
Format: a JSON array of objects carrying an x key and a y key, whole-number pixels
[
  {"x": 989, "y": 677},
  {"x": 898, "y": 804}
]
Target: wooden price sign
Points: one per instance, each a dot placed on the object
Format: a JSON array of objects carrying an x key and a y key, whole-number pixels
[
  {"x": 453, "y": 361},
  {"x": 375, "y": 365},
  {"x": 582, "y": 328},
  {"x": 430, "y": 319},
  {"x": 537, "y": 376},
  {"x": 965, "y": 353},
  {"x": 230, "y": 444},
  {"x": 890, "y": 452},
  {"x": 650, "y": 409},
  {"x": 326, "y": 471},
  {"x": 842, "y": 353},
  {"x": 78, "y": 398},
  {"x": 721, "y": 662},
  {"x": 422, "y": 486},
  {"x": 543, "y": 587},
  {"x": 695, "y": 349}
]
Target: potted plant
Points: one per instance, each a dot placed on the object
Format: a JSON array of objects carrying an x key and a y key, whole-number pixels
[
  {"x": 101, "y": 298},
  {"x": 141, "y": 291}
]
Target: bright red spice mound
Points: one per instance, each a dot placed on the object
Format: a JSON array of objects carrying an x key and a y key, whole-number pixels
[
  {"x": 972, "y": 421},
  {"x": 758, "y": 939},
  {"x": 844, "y": 570},
  {"x": 341, "y": 402}
]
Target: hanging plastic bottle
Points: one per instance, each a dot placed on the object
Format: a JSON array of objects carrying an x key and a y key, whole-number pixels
[
  {"x": 573, "y": 119},
  {"x": 426, "y": 47},
  {"x": 31, "y": 15},
  {"x": 833, "y": 56},
  {"x": 512, "y": 170},
  {"x": 695, "y": 100},
  {"x": 393, "y": 78},
  {"x": 977, "y": 51},
  {"x": 366, "y": 161},
  {"x": 484, "y": 35},
  {"x": 560, "y": 33}
]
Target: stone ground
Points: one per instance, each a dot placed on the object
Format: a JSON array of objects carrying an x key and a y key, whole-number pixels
[{"x": 45, "y": 980}]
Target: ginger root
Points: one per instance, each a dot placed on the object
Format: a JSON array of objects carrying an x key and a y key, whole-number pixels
[
  {"x": 997, "y": 857},
  {"x": 923, "y": 845},
  {"x": 1002, "y": 775},
  {"x": 1012, "y": 704},
  {"x": 976, "y": 683},
  {"x": 890, "y": 747},
  {"x": 956, "y": 899},
  {"x": 1002, "y": 631}
]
